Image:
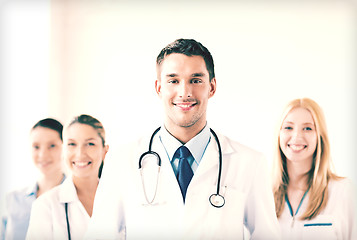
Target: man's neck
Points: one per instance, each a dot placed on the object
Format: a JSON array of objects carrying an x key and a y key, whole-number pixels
[{"x": 185, "y": 134}]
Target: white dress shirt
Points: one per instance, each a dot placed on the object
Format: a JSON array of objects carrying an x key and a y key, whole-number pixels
[
  {"x": 48, "y": 215},
  {"x": 197, "y": 146}
]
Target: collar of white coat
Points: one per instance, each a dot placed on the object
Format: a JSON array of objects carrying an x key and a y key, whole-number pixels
[
  {"x": 211, "y": 156},
  {"x": 197, "y": 145},
  {"x": 203, "y": 137},
  {"x": 67, "y": 192}
]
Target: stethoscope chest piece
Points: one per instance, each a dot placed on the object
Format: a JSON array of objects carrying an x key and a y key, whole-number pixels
[{"x": 217, "y": 200}]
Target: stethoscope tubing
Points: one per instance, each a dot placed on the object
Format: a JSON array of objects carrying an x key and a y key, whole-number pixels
[
  {"x": 150, "y": 151},
  {"x": 68, "y": 228},
  {"x": 217, "y": 205},
  {"x": 220, "y": 163}
]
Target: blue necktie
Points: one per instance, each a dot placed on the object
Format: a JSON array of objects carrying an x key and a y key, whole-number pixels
[{"x": 184, "y": 171}]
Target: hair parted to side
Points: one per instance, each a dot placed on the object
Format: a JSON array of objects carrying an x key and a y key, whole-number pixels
[
  {"x": 91, "y": 121},
  {"x": 321, "y": 170},
  {"x": 97, "y": 125},
  {"x": 188, "y": 47},
  {"x": 51, "y": 124}
]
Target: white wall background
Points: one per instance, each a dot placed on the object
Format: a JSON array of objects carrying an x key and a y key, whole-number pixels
[{"x": 63, "y": 58}]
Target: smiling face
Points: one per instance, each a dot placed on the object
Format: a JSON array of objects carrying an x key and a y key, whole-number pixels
[
  {"x": 46, "y": 148},
  {"x": 184, "y": 87},
  {"x": 298, "y": 137},
  {"x": 84, "y": 151}
]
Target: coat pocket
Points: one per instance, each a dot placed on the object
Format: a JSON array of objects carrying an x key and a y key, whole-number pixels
[
  {"x": 226, "y": 222},
  {"x": 321, "y": 227}
]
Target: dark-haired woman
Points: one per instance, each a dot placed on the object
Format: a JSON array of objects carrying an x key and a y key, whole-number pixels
[
  {"x": 65, "y": 211},
  {"x": 46, "y": 148}
]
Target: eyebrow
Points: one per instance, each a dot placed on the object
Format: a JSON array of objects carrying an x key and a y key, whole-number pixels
[
  {"x": 199, "y": 74},
  {"x": 88, "y": 139},
  {"x": 306, "y": 123},
  {"x": 171, "y": 75}
]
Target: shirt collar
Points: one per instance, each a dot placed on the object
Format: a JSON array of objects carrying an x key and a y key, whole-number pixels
[
  {"x": 197, "y": 145},
  {"x": 68, "y": 192},
  {"x": 32, "y": 189}
]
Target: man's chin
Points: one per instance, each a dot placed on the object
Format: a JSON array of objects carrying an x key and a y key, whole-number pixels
[{"x": 186, "y": 124}]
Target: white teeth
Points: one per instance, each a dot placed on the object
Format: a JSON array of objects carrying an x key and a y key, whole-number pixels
[
  {"x": 184, "y": 105},
  {"x": 297, "y": 147},
  {"x": 81, "y": 164}
]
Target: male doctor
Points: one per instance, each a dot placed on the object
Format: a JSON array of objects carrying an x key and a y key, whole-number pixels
[{"x": 174, "y": 202}]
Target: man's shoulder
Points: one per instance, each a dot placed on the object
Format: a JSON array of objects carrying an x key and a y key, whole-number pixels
[{"x": 237, "y": 147}]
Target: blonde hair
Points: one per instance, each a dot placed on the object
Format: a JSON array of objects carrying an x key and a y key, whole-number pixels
[{"x": 320, "y": 173}]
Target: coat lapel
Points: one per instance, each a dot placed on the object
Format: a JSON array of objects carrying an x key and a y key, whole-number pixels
[
  {"x": 210, "y": 159},
  {"x": 168, "y": 185}
]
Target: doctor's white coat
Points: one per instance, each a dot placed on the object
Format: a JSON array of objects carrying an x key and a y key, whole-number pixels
[
  {"x": 122, "y": 211},
  {"x": 48, "y": 216}
]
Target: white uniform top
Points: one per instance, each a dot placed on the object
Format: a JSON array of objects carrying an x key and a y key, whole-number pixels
[
  {"x": 336, "y": 221},
  {"x": 244, "y": 184},
  {"x": 48, "y": 216}
]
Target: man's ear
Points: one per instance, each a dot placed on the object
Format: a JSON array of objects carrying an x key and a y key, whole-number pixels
[
  {"x": 212, "y": 87},
  {"x": 158, "y": 87}
]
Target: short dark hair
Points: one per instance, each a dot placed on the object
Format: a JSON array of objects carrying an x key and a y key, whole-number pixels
[
  {"x": 189, "y": 47},
  {"x": 97, "y": 125},
  {"x": 51, "y": 124}
]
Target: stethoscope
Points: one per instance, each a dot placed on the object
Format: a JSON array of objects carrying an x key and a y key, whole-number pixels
[
  {"x": 215, "y": 199},
  {"x": 68, "y": 228}
]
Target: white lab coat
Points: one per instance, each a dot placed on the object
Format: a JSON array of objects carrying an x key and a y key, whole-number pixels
[
  {"x": 336, "y": 221},
  {"x": 244, "y": 184},
  {"x": 48, "y": 217}
]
